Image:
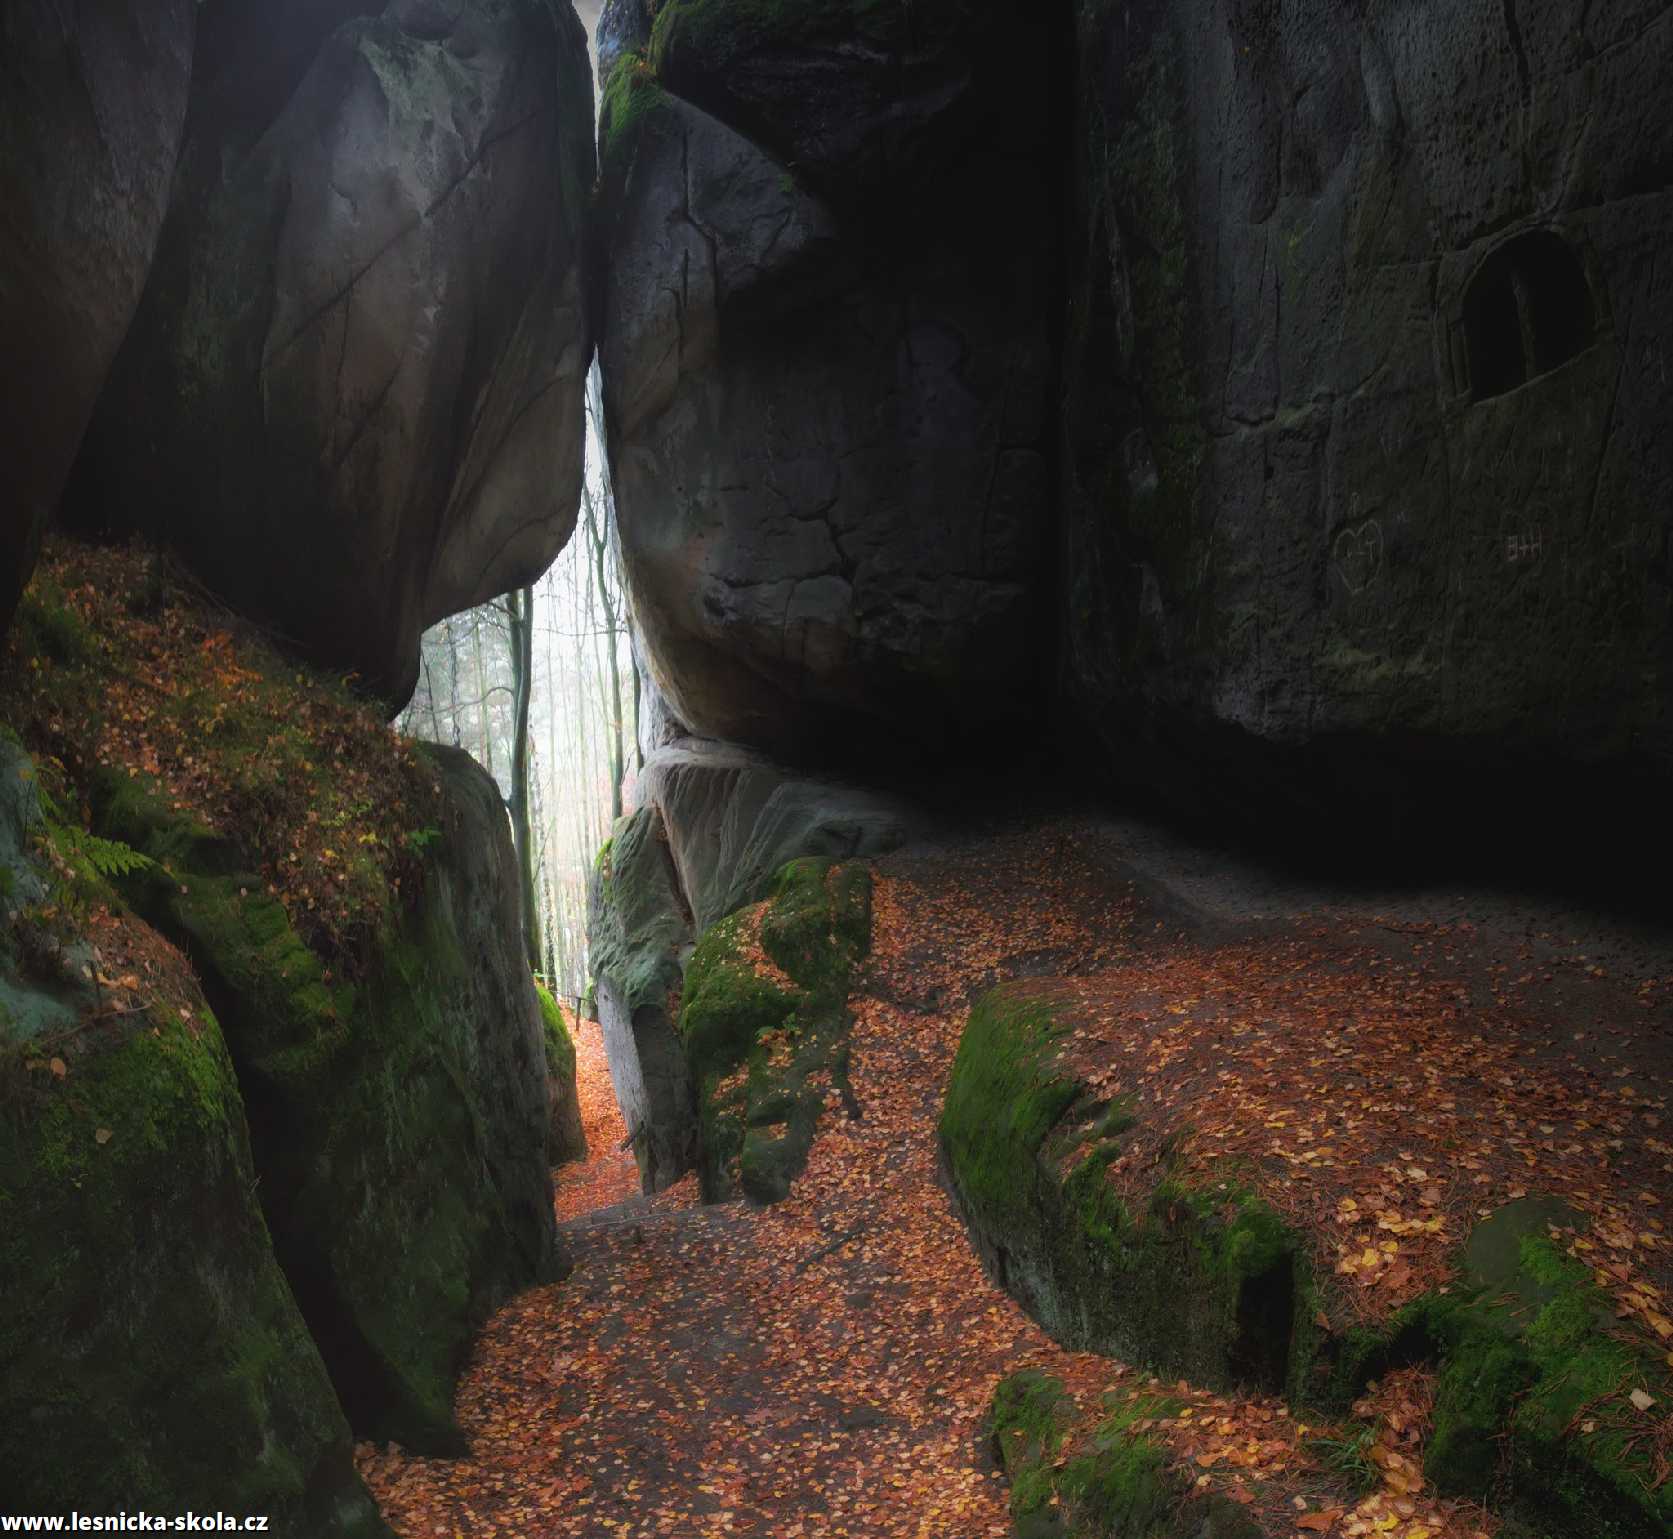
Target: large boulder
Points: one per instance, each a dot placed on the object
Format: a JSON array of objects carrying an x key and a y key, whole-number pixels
[
  {"x": 352, "y": 397},
  {"x": 1365, "y": 455},
  {"x": 399, "y": 1124},
  {"x": 152, "y": 1355},
  {"x": 827, "y": 351},
  {"x": 92, "y": 98}
]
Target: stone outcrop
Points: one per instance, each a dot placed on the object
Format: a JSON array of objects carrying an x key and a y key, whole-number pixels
[
  {"x": 826, "y": 332},
  {"x": 639, "y": 933},
  {"x": 91, "y": 105},
  {"x": 152, "y": 1356},
  {"x": 399, "y": 1124},
  {"x": 734, "y": 819},
  {"x": 1364, "y": 460},
  {"x": 1353, "y": 356},
  {"x": 352, "y": 396},
  {"x": 765, "y": 1024}
]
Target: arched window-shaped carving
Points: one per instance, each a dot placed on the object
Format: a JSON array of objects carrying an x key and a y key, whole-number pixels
[{"x": 1527, "y": 310}]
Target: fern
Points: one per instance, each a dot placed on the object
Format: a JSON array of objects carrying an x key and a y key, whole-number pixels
[
  {"x": 86, "y": 855},
  {"x": 107, "y": 857}
]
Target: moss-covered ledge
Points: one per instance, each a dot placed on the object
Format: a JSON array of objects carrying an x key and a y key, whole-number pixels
[
  {"x": 1205, "y": 1282},
  {"x": 765, "y": 1022},
  {"x": 399, "y": 1122},
  {"x": 1534, "y": 1412}
]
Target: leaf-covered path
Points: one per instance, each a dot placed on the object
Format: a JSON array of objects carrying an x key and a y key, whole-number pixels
[{"x": 824, "y": 1367}]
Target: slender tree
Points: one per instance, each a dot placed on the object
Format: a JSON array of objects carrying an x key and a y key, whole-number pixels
[{"x": 519, "y": 609}]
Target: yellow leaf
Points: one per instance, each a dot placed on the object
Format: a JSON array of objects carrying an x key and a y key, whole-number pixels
[{"x": 59, "y": 1068}]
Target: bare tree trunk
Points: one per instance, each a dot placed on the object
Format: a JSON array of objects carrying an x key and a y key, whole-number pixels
[
  {"x": 519, "y": 608},
  {"x": 484, "y": 736},
  {"x": 598, "y": 538}
]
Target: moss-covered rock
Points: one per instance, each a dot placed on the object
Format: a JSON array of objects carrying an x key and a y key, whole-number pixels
[
  {"x": 630, "y": 97},
  {"x": 1102, "y": 1481},
  {"x": 1204, "y": 1282},
  {"x": 399, "y": 1123},
  {"x": 1532, "y": 1410},
  {"x": 638, "y": 930},
  {"x": 151, "y": 1352},
  {"x": 566, "y": 1139},
  {"x": 766, "y": 1051}
]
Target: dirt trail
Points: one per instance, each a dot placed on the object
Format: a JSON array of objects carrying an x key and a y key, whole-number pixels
[{"x": 823, "y": 1367}]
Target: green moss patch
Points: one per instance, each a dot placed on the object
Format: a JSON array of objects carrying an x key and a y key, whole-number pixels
[
  {"x": 631, "y": 99},
  {"x": 1205, "y": 1281},
  {"x": 1533, "y": 1413},
  {"x": 566, "y": 1138},
  {"x": 393, "y": 1203},
  {"x": 560, "y": 1050},
  {"x": 154, "y": 1355},
  {"x": 1098, "y": 1477},
  {"x": 1533, "y": 1410},
  {"x": 766, "y": 1050}
]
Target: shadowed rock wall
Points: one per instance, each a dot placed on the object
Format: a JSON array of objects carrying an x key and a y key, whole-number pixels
[
  {"x": 352, "y": 396},
  {"x": 1366, "y": 476},
  {"x": 92, "y": 99}
]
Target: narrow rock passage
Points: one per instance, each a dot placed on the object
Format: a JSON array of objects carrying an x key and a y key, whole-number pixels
[
  {"x": 819, "y": 1368},
  {"x": 824, "y": 1367}
]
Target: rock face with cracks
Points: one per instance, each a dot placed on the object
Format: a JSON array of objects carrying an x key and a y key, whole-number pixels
[
  {"x": 1364, "y": 461},
  {"x": 91, "y": 107},
  {"x": 352, "y": 396},
  {"x": 827, "y": 361},
  {"x": 734, "y": 818}
]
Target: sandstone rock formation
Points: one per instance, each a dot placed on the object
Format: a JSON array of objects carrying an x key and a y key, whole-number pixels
[
  {"x": 639, "y": 937},
  {"x": 352, "y": 396},
  {"x": 826, "y": 342},
  {"x": 399, "y": 1126},
  {"x": 1358, "y": 493},
  {"x": 91, "y": 106},
  {"x": 734, "y": 819},
  {"x": 1365, "y": 461},
  {"x": 152, "y": 1351}
]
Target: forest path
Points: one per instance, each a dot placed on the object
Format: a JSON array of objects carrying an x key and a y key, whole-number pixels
[{"x": 824, "y": 1367}]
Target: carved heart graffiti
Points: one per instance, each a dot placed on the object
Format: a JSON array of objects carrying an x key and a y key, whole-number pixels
[{"x": 1359, "y": 555}]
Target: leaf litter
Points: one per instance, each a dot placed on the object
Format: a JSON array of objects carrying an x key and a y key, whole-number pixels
[{"x": 824, "y": 1367}]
